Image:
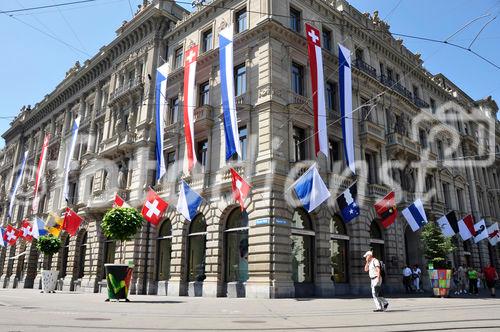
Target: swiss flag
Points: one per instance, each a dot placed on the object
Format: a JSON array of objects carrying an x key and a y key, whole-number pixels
[
  {"x": 11, "y": 234},
  {"x": 26, "y": 230},
  {"x": 71, "y": 221},
  {"x": 120, "y": 202},
  {"x": 386, "y": 209},
  {"x": 240, "y": 188},
  {"x": 153, "y": 207}
]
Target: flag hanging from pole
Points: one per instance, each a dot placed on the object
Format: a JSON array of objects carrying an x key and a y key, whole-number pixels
[
  {"x": 345, "y": 87},
  {"x": 318, "y": 89},
  {"x": 466, "y": 227},
  {"x": 189, "y": 106},
  {"x": 161, "y": 105},
  {"x": 240, "y": 188},
  {"x": 2, "y": 232},
  {"x": 415, "y": 215},
  {"x": 10, "y": 235},
  {"x": 386, "y": 209},
  {"x": 71, "y": 221},
  {"x": 448, "y": 224},
  {"x": 153, "y": 207},
  {"x": 120, "y": 202},
  {"x": 228, "y": 92},
  {"x": 349, "y": 209},
  {"x": 38, "y": 228},
  {"x": 480, "y": 231},
  {"x": 54, "y": 224},
  {"x": 493, "y": 234},
  {"x": 26, "y": 230},
  {"x": 69, "y": 157},
  {"x": 16, "y": 184},
  {"x": 310, "y": 189},
  {"x": 189, "y": 201},
  {"x": 40, "y": 173}
]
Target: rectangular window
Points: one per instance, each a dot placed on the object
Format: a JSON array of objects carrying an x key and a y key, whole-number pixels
[
  {"x": 170, "y": 159},
  {"x": 433, "y": 105},
  {"x": 327, "y": 39},
  {"x": 295, "y": 19},
  {"x": 390, "y": 74},
  {"x": 460, "y": 199},
  {"x": 423, "y": 138},
  {"x": 372, "y": 168},
  {"x": 359, "y": 54},
  {"x": 178, "y": 58},
  {"x": 297, "y": 79},
  {"x": 440, "y": 150},
  {"x": 331, "y": 96},
  {"x": 173, "y": 111},
  {"x": 243, "y": 142},
  {"x": 204, "y": 97},
  {"x": 446, "y": 194},
  {"x": 240, "y": 79},
  {"x": 416, "y": 92},
  {"x": 299, "y": 136},
  {"x": 207, "y": 40},
  {"x": 333, "y": 152},
  {"x": 202, "y": 153},
  {"x": 241, "y": 20}
]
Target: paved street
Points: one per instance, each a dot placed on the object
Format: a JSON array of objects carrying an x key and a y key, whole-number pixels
[{"x": 29, "y": 310}]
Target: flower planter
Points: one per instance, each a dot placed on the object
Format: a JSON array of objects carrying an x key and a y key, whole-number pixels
[
  {"x": 118, "y": 277},
  {"x": 440, "y": 281},
  {"x": 49, "y": 281}
]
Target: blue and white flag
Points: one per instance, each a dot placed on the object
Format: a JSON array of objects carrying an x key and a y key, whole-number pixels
[
  {"x": 38, "y": 228},
  {"x": 310, "y": 189},
  {"x": 69, "y": 157},
  {"x": 189, "y": 201},
  {"x": 16, "y": 184},
  {"x": 2, "y": 232},
  {"x": 415, "y": 215},
  {"x": 161, "y": 106},
  {"x": 346, "y": 115},
  {"x": 228, "y": 92},
  {"x": 349, "y": 209}
]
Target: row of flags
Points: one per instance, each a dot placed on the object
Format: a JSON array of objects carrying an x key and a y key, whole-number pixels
[
  {"x": 30, "y": 230},
  {"x": 311, "y": 191}
]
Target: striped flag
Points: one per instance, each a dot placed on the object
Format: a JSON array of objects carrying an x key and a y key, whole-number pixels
[
  {"x": 189, "y": 105},
  {"x": 16, "y": 184},
  {"x": 466, "y": 227},
  {"x": 318, "y": 89},
  {"x": 161, "y": 105},
  {"x": 228, "y": 92},
  {"x": 40, "y": 172},
  {"x": 310, "y": 189},
  {"x": 448, "y": 224},
  {"x": 493, "y": 234},
  {"x": 69, "y": 157},
  {"x": 38, "y": 228},
  {"x": 345, "y": 87},
  {"x": 189, "y": 201},
  {"x": 2, "y": 232},
  {"x": 415, "y": 215}
]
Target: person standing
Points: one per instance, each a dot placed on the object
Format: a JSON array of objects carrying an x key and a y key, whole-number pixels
[
  {"x": 407, "y": 279},
  {"x": 417, "y": 272},
  {"x": 462, "y": 279},
  {"x": 473, "y": 275},
  {"x": 373, "y": 267},
  {"x": 490, "y": 276}
]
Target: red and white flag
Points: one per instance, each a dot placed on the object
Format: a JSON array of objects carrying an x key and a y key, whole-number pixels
[
  {"x": 40, "y": 171},
  {"x": 26, "y": 230},
  {"x": 154, "y": 207},
  {"x": 191, "y": 58},
  {"x": 493, "y": 234},
  {"x": 240, "y": 188},
  {"x": 71, "y": 221},
  {"x": 318, "y": 89},
  {"x": 10, "y": 235},
  {"x": 120, "y": 202},
  {"x": 466, "y": 227}
]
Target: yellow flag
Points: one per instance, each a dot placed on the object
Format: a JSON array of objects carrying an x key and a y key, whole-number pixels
[{"x": 54, "y": 224}]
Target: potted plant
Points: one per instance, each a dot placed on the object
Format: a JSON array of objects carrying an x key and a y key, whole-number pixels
[
  {"x": 49, "y": 245},
  {"x": 120, "y": 224},
  {"x": 437, "y": 247}
]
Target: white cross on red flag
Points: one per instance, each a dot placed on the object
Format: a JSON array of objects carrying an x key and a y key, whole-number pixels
[
  {"x": 11, "y": 234},
  {"x": 71, "y": 221},
  {"x": 120, "y": 202},
  {"x": 240, "y": 188},
  {"x": 154, "y": 207},
  {"x": 26, "y": 230}
]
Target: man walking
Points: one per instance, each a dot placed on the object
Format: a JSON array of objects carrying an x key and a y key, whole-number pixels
[
  {"x": 416, "y": 277},
  {"x": 473, "y": 276},
  {"x": 407, "y": 279},
  {"x": 490, "y": 276},
  {"x": 372, "y": 266}
]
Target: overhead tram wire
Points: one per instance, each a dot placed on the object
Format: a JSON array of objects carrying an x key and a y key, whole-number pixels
[{"x": 44, "y": 7}]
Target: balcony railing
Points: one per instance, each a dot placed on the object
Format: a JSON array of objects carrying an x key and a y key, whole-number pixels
[
  {"x": 366, "y": 68},
  {"x": 396, "y": 86},
  {"x": 420, "y": 103},
  {"x": 127, "y": 87}
]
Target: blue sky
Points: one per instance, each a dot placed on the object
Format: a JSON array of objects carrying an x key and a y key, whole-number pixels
[{"x": 32, "y": 63}]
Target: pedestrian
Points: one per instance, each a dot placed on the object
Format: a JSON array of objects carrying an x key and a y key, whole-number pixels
[
  {"x": 373, "y": 267},
  {"x": 473, "y": 276},
  {"x": 416, "y": 272},
  {"x": 490, "y": 277},
  {"x": 456, "y": 281},
  {"x": 462, "y": 278},
  {"x": 407, "y": 279}
]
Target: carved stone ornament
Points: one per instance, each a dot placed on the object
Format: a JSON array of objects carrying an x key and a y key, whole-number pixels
[{"x": 223, "y": 24}]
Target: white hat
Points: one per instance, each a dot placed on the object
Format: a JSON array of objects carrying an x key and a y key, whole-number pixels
[{"x": 368, "y": 253}]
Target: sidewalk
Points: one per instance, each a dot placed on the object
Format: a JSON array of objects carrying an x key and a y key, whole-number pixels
[{"x": 29, "y": 310}]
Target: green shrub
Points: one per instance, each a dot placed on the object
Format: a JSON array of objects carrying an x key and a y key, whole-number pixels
[
  {"x": 436, "y": 246},
  {"x": 121, "y": 223},
  {"x": 48, "y": 244}
]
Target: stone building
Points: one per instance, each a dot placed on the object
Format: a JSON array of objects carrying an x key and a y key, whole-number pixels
[{"x": 273, "y": 248}]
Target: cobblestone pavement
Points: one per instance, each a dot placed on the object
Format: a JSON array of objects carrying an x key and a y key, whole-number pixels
[{"x": 29, "y": 310}]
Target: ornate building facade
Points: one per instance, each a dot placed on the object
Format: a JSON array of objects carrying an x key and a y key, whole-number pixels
[{"x": 403, "y": 139}]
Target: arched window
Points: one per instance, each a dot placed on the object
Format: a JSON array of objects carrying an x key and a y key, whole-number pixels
[
  {"x": 164, "y": 250},
  {"x": 376, "y": 241},
  {"x": 339, "y": 244},
  {"x": 83, "y": 254},
  {"x": 302, "y": 247},
  {"x": 64, "y": 258},
  {"x": 196, "y": 248},
  {"x": 236, "y": 246}
]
